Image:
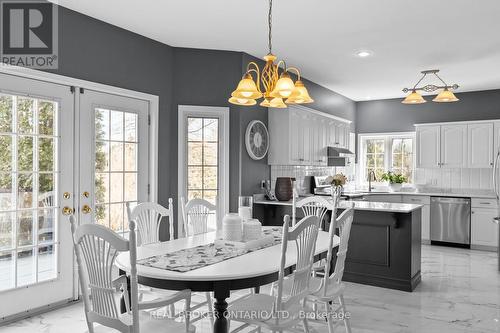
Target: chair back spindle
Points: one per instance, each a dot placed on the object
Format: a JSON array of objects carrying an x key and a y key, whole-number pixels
[{"x": 148, "y": 217}]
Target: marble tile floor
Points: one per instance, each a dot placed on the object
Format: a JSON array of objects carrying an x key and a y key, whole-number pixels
[{"x": 459, "y": 292}]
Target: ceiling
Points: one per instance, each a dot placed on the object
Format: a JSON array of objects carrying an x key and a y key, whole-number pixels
[{"x": 460, "y": 37}]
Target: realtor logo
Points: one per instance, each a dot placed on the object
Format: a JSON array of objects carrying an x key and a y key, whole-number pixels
[{"x": 29, "y": 34}]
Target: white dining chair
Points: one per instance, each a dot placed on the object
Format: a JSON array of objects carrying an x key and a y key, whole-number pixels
[
  {"x": 329, "y": 289},
  {"x": 96, "y": 248},
  {"x": 196, "y": 214},
  {"x": 283, "y": 311},
  {"x": 316, "y": 205},
  {"x": 148, "y": 217}
]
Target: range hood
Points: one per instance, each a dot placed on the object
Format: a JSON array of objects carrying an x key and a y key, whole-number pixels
[{"x": 337, "y": 156}]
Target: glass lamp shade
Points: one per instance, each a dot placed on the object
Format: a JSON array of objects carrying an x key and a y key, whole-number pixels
[
  {"x": 300, "y": 95},
  {"x": 273, "y": 103},
  {"x": 284, "y": 86},
  {"x": 246, "y": 89},
  {"x": 445, "y": 96},
  {"x": 414, "y": 98},
  {"x": 242, "y": 101}
]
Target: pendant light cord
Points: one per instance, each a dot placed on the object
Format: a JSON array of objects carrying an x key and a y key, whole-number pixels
[{"x": 270, "y": 22}]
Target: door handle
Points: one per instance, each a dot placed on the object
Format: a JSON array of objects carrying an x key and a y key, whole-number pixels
[
  {"x": 67, "y": 210},
  {"x": 86, "y": 209},
  {"x": 496, "y": 220}
]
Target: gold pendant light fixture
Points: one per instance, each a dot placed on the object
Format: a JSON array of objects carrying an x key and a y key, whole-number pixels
[
  {"x": 278, "y": 89},
  {"x": 445, "y": 96}
]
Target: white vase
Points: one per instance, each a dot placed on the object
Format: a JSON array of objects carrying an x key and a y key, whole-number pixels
[
  {"x": 336, "y": 194},
  {"x": 396, "y": 187},
  {"x": 231, "y": 227}
]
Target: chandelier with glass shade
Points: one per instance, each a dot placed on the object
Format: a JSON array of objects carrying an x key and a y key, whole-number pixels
[
  {"x": 445, "y": 96},
  {"x": 277, "y": 89}
]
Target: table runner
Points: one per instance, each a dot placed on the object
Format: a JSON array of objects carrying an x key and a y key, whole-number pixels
[{"x": 186, "y": 260}]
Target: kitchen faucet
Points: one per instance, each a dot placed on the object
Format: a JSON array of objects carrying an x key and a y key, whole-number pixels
[{"x": 371, "y": 174}]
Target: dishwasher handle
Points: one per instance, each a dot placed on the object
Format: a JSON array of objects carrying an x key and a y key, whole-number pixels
[{"x": 445, "y": 200}]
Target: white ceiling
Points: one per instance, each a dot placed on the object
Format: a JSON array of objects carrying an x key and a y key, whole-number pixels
[{"x": 460, "y": 37}]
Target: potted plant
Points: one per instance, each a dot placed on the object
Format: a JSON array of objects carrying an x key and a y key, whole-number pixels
[{"x": 395, "y": 180}]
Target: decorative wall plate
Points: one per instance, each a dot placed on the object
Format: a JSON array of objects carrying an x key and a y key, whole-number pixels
[{"x": 257, "y": 139}]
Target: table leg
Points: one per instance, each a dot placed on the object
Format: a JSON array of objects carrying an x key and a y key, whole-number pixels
[
  {"x": 256, "y": 290},
  {"x": 221, "y": 292},
  {"x": 123, "y": 308}
]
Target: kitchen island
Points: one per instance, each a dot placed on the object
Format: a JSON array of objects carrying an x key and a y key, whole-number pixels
[{"x": 384, "y": 245}]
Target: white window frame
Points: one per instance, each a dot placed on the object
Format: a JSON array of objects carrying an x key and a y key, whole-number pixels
[
  {"x": 387, "y": 137},
  {"x": 222, "y": 113}
]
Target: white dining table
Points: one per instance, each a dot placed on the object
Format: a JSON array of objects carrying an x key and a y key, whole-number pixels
[{"x": 250, "y": 270}]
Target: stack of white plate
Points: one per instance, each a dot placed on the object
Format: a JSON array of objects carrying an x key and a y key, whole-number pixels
[{"x": 252, "y": 230}]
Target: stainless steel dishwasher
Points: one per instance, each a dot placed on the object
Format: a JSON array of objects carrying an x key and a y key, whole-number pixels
[{"x": 450, "y": 220}]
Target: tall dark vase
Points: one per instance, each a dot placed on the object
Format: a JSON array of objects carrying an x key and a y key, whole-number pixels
[{"x": 284, "y": 188}]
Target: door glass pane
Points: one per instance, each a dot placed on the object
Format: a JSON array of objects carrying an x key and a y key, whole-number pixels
[
  {"x": 7, "y": 270},
  {"x": 5, "y": 114},
  {"x": 28, "y": 177},
  {"x": 26, "y": 265},
  {"x": 202, "y": 158},
  {"x": 116, "y": 166}
]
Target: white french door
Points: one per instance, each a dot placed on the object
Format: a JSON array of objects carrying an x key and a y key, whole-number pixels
[
  {"x": 62, "y": 147},
  {"x": 114, "y": 157},
  {"x": 36, "y": 169},
  {"x": 204, "y": 156}
]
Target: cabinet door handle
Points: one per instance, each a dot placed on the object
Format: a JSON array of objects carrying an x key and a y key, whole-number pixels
[{"x": 485, "y": 203}]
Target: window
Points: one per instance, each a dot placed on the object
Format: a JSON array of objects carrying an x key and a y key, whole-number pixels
[
  {"x": 386, "y": 152},
  {"x": 116, "y": 166},
  {"x": 202, "y": 166}
]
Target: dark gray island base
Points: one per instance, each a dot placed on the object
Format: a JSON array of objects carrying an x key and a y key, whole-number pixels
[{"x": 384, "y": 245}]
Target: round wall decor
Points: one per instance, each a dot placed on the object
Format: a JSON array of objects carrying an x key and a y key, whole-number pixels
[{"x": 257, "y": 139}]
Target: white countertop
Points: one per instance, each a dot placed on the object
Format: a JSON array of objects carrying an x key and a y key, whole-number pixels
[
  {"x": 466, "y": 193},
  {"x": 358, "y": 205}
]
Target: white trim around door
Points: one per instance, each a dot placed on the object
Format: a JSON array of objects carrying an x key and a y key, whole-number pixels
[{"x": 222, "y": 113}]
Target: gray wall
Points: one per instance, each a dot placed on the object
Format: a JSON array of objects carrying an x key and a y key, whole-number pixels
[
  {"x": 207, "y": 77},
  {"x": 93, "y": 50},
  {"x": 392, "y": 116}
]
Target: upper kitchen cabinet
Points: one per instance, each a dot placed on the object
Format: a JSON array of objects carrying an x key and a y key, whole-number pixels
[
  {"x": 480, "y": 145},
  {"x": 299, "y": 136},
  {"x": 428, "y": 147},
  {"x": 457, "y": 145},
  {"x": 453, "y": 146}
]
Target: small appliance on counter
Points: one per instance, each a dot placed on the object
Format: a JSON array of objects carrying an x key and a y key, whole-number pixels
[{"x": 284, "y": 188}]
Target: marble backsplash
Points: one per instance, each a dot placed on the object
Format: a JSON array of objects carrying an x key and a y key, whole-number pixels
[{"x": 300, "y": 172}]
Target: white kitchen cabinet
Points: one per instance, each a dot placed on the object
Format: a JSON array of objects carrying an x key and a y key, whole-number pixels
[
  {"x": 480, "y": 145},
  {"x": 426, "y": 212},
  {"x": 496, "y": 149},
  {"x": 428, "y": 147},
  {"x": 483, "y": 231},
  {"x": 453, "y": 150},
  {"x": 299, "y": 136},
  {"x": 393, "y": 198}
]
